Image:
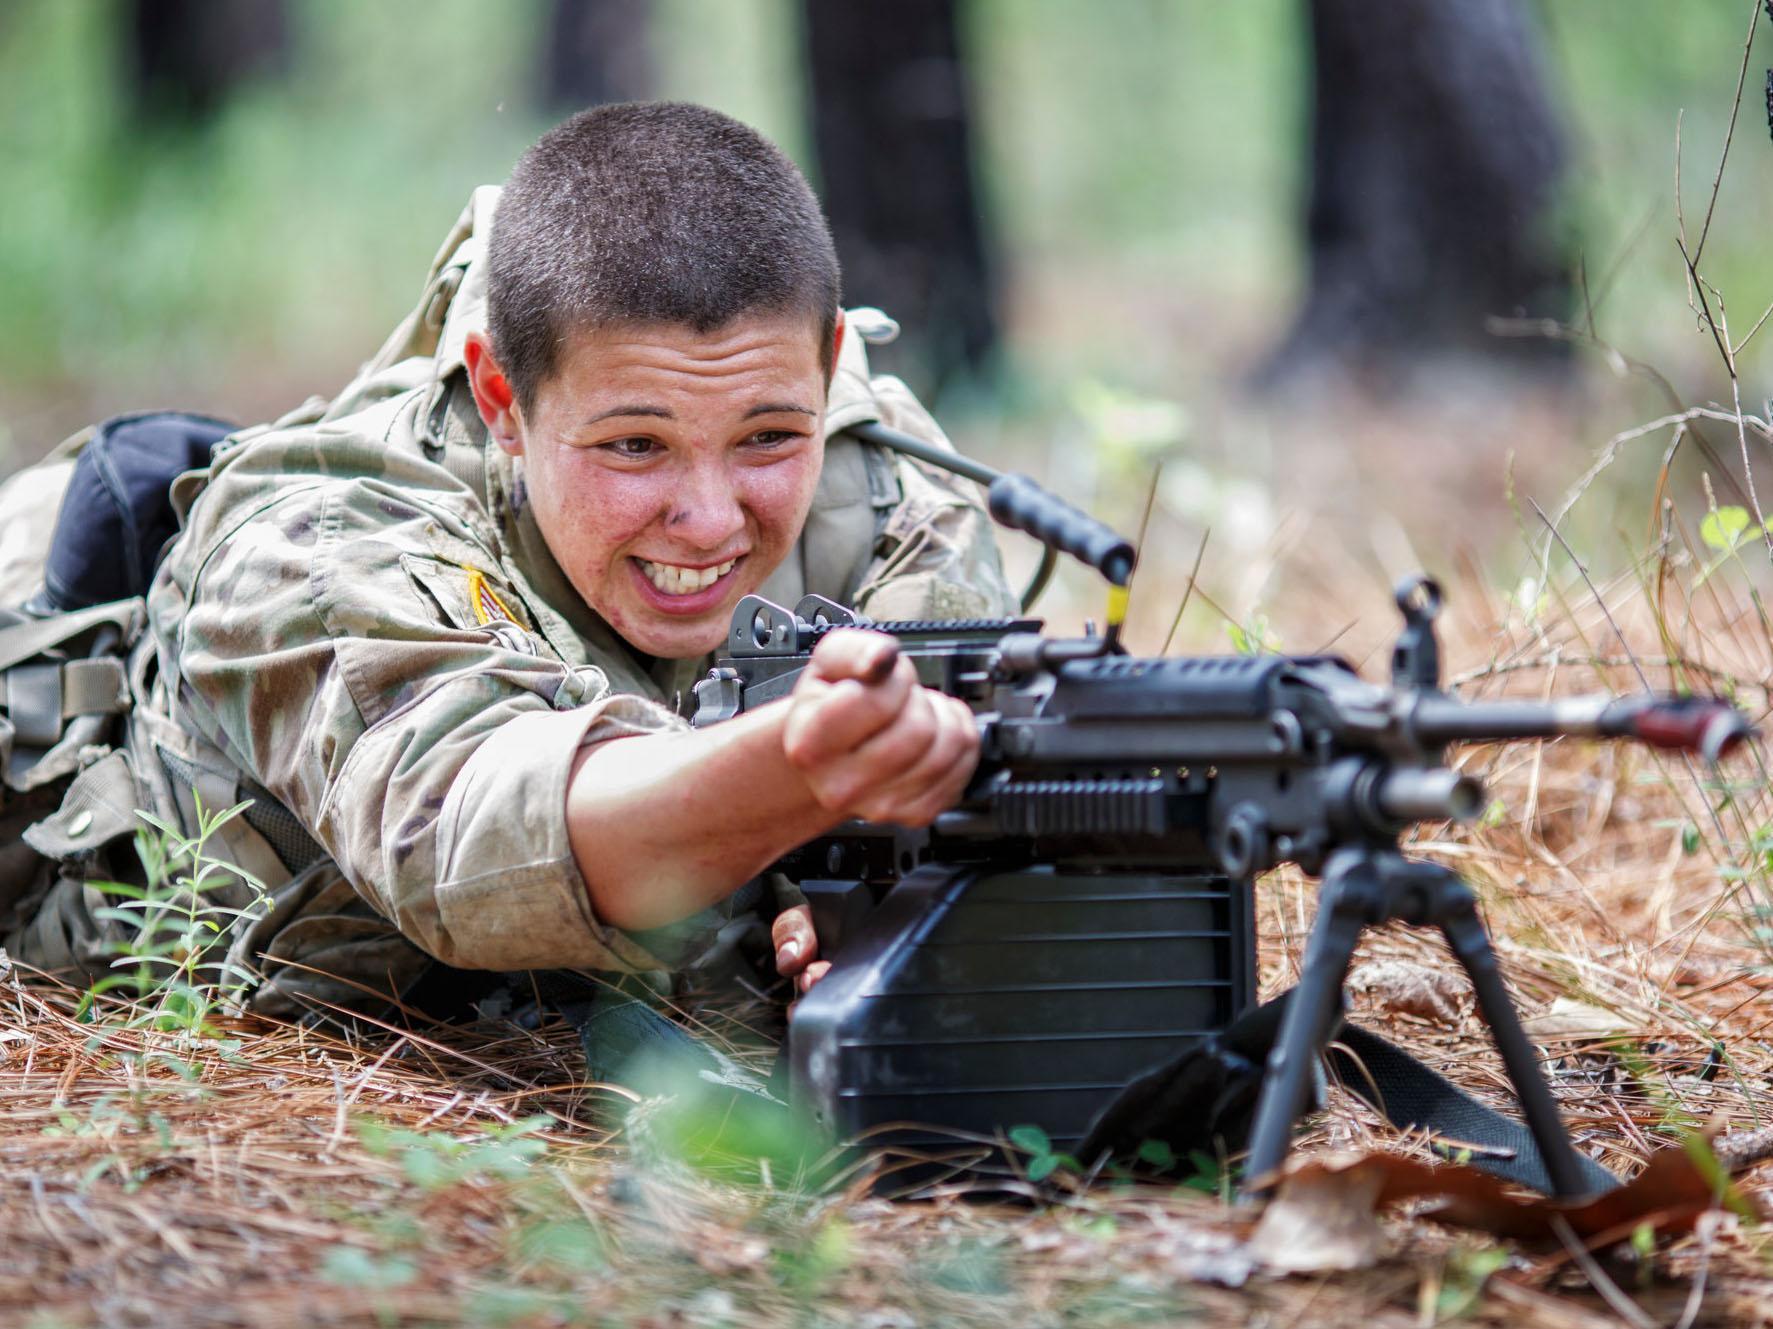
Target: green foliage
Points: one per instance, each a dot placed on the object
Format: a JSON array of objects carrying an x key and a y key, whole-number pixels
[
  {"x": 1043, "y": 1160},
  {"x": 561, "y": 1246},
  {"x": 434, "y": 1161},
  {"x": 1726, "y": 530},
  {"x": 975, "y": 1268},
  {"x": 723, "y": 1133},
  {"x": 1724, "y": 1189},
  {"x": 174, "y": 925},
  {"x": 512, "y": 1305},
  {"x": 262, "y": 255},
  {"x": 1254, "y": 638},
  {"x": 350, "y": 1266},
  {"x": 1463, "y": 1277},
  {"x": 807, "y": 1264}
]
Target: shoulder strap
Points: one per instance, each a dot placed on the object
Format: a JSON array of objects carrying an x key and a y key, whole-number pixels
[
  {"x": 1207, "y": 1094},
  {"x": 1413, "y": 1097},
  {"x": 30, "y": 637}
]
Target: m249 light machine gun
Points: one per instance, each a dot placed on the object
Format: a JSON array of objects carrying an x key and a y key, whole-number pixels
[{"x": 1084, "y": 914}]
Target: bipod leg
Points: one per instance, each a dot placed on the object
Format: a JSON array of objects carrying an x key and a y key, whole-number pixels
[
  {"x": 1455, "y": 913},
  {"x": 1348, "y": 900}
]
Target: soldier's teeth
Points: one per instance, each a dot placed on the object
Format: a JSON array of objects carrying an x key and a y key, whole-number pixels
[{"x": 674, "y": 580}]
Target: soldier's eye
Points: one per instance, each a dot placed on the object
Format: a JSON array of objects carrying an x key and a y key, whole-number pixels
[
  {"x": 634, "y": 449},
  {"x": 772, "y": 438}
]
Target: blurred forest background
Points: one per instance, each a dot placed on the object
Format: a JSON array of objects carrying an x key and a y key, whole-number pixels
[{"x": 1260, "y": 239}]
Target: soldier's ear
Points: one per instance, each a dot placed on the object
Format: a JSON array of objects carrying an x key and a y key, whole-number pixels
[
  {"x": 836, "y": 343},
  {"x": 493, "y": 396}
]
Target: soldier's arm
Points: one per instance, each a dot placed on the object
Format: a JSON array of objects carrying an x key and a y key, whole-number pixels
[{"x": 664, "y": 824}]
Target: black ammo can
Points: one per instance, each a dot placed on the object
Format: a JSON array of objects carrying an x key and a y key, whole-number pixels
[{"x": 975, "y": 1000}]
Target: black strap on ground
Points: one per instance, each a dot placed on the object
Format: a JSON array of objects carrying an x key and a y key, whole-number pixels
[
  {"x": 1411, "y": 1096},
  {"x": 1201, "y": 1101}
]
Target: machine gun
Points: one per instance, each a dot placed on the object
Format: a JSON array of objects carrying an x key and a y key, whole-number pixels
[{"x": 1085, "y": 912}]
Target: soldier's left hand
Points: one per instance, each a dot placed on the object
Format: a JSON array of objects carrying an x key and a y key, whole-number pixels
[{"x": 797, "y": 947}]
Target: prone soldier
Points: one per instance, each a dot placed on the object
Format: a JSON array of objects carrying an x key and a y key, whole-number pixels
[{"x": 442, "y": 628}]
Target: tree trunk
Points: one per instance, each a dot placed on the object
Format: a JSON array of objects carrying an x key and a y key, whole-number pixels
[
  {"x": 1436, "y": 159},
  {"x": 597, "y": 51},
  {"x": 893, "y": 134},
  {"x": 184, "y": 57}
]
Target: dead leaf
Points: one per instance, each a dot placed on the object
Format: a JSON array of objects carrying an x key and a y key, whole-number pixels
[
  {"x": 1434, "y": 995},
  {"x": 1323, "y": 1217},
  {"x": 1568, "y": 1020},
  {"x": 1327, "y": 1206}
]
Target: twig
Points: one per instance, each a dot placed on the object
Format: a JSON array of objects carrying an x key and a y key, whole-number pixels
[
  {"x": 1706, "y": 1226},
  {"x": 1144, "y": 525},
  {"x": 1193, "y": 578},
  {"x": 1750, "y": 335},
  {"x": 1717, "y": 179},
  {"x": 1623, "y": 1306}
]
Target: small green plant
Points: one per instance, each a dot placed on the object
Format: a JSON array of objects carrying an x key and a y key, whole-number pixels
[
  {"x": 1725, "y": 531},
  {"x": 1253, "y": 638},
  {"x": 435, "y": 1161},
  {"x": 1043, "y": 1160},
  {"x": 806, "y": 1264},
  {"x": 1463, "y": 1278},
  {"x": 173, "y": 926}
]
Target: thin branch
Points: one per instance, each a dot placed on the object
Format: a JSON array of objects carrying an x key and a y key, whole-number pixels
[
  {"x": 1193, "y": 577},
  {"x": 1623, "y": 1306},
  {"x": 1717, "y": 180},
  {"x": 1696, "y": 288},
  {"x": 1756, "y": 328},
  {"x": 1157, "y": 472}
]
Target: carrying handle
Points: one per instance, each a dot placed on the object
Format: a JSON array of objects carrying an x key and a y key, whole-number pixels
[{"x": 1020, "y": 503}]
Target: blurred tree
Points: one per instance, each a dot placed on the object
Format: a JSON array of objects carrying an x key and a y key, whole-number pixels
[
  {"x": 185, "y": 56},
  {"x": 1436, "y": 163},
  {"x": 597, "y": 51},
  {"x": 892, "y": 133}
]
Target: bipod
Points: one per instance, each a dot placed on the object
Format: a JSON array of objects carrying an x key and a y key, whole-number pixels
[{"x": 1363, "y": 887}]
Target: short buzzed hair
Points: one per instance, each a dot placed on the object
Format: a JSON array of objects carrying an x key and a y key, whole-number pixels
[{"x": 651, "y": 213}]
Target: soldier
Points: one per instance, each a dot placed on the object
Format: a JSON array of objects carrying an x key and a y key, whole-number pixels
[{"x": 441, "y": 628}]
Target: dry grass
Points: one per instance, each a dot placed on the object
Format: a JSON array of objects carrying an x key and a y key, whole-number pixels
[{"x": 268, "y": 1191}]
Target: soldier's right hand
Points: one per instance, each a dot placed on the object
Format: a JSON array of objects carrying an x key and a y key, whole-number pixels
[{"x": 870, "y": 741}]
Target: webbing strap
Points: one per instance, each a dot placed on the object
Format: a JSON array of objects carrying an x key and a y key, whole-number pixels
[
  {"x": 1413, "y": 1097},
  {"x": 94, "y": 687},
  {"x": 39, "y": 697},
  {"x": 33, "y": 703},
  {"x": 1206, "y": 1096},
  {"x": 31, "y": 637}
]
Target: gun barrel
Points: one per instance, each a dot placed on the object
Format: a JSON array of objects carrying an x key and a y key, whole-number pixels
[
  {"x": 1435, "y": 794},
  {"x": 1700, "y": 725}
]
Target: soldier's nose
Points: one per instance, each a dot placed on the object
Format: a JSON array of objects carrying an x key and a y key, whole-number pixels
[{"x": 706, "y": 513}]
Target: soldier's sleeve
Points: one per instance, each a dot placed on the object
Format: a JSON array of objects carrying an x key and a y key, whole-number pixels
[
  {"x": 936, "y": 556},
  {"x": 333, "y": 644}
]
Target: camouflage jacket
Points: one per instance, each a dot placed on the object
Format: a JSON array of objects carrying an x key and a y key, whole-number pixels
[{"x": 360, "y": 620}]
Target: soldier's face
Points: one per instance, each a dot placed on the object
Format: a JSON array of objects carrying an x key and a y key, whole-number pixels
[{"x": 671, "y": 472}]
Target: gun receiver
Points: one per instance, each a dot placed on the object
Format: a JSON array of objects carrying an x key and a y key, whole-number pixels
[{"x": 1084, "y": 910}]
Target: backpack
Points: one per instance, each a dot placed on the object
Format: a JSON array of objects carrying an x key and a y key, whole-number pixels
[{"x": 81, "y": 534}]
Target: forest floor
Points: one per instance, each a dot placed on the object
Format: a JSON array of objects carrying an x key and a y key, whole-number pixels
[{"x": 468, "y": 1174}]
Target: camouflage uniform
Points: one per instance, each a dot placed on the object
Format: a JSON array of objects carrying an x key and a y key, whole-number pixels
[{"x": 361, "y": 621}]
